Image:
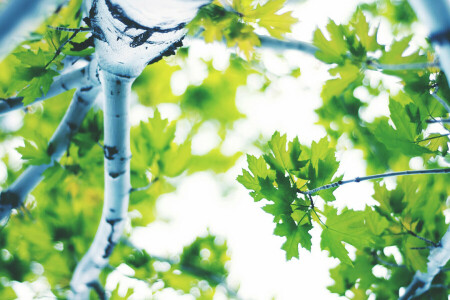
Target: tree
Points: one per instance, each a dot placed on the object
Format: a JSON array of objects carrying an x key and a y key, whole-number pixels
[{"x": 110, "y": 48}]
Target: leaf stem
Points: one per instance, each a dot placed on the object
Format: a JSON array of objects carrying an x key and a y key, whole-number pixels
[{"x": 384, "y": 175}]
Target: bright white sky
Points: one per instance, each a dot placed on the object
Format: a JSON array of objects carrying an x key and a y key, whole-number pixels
[{"x": 219, "y": 203}]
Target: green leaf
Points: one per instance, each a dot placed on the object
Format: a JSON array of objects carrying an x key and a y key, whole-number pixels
[
  {"x": 361, "y": 28},
  {"x": 295, "y": 235},
  {"x": 333, "y": 244},
  {"x": 214, "y": 160},
  {"x": 35, "y": 154},
  {"x": 348, "y": 227},
  {"x": 333, "y": 50},
  {"x": 348, "y": 73}
]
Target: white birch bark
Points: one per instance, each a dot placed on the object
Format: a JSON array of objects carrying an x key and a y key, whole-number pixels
[
  {"x": 435, "y": 15},
  {"x": 19, "y": 17},
  {"x": 129, "y": 35}
]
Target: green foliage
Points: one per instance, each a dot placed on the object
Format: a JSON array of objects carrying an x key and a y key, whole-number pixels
[
  {"x": 201, "y": 261},
  {"x": 237, "y": 27},
  {"x": 55, "y": 227}
]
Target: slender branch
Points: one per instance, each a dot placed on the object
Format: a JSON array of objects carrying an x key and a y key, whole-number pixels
[
  {"x": 435, "y": 15},
  {"x": 272, "y": 43},
  {"x": 438, "y": 258},
  {"x": 117, "y": 183},
  {"x": 402, "y": 67},
  {"x": 15, "y": 195},
  {"x": 385, "y": 175},
  {"x": 19, "y": 17},
  {"x": 59, "y": 50},
  {"x": 60, "y": 28},
  {"x": 77, "y": 78},
  {"x": 143, "y": 188},
  {"x": 441, "y": 101},
  {"x": 386, "y": 263},
  {"x": 115, "y": 28}
]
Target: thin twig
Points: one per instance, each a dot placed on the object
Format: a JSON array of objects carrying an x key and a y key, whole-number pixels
[
  {"x": 59, "y": 28},
  {"x": 402, "y": 67},
  {"x": 143, "y": 188},
  {"x": 378, "y": 176},
  {"x": 432, "y": 138},
  {"x": 441, "y": 101},
  {"x": 59, "y": 50},
  {"x": 386, "y": 263}
]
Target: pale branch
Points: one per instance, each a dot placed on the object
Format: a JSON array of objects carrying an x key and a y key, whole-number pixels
[
  {"x": 144, "y": 188},
  {"x": 84, "y": 77},
  {"x": 127, "y": 38},
  {"x": 441, "y": 101},
  {"x": 438, "y": 258},
  {"x": 378, "y": 176},
  {"x": 431, "y": 121},
  {"x": 435, "y": 15},
  {"x": 401, "y": 67},
  {"x": 14, "y": 196},
  {"x": 19, "y": 17},
  {"x": 276, "y": 44},
  {"x": 117, "y": 183}
]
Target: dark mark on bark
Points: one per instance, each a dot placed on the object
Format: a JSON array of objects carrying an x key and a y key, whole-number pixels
[
  {"x": 13, "y": 102},
  {"x": 117, "y": 116},
  {"x": 72, "y": 126},
  {"x": 8, "y": 198},
  {"x": 118, "y": 82},
  {"x": 86, "y": 89},
  {"x": 440, "y": 38},
  {"x": 64, "y": 87},
  {"x": 82, "y": 101},
  {"x": 119, "y": 14},
  {"x": 169, "y": 51},
  {"x": 51, "y": 149},
  {"x": 140, "y": 39},
  {"x": 97, "y": 32},
  {"x": 115, "y": 175},
  {"x": 111, "y": 243},
  {"x": 110, "y": 152},
  {"x": 89, "y": 42}
]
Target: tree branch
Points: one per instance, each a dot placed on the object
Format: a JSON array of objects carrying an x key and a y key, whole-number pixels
[
  {"x": 15, "y": 195},
  {"x": 19, "y": 17},
  {"x": 78, "y": 78},
  {"x": 385, "y": 175},
  {"x": 437, "y": 259},
  {"x": 401, "y": 67},
  {"x": 125, "y": 44},
  {"x": 441, "y": 101},
  {"x": 436, "y": 17},
  {"x": 275, "y": 44},
  {"x": 117, "y": 182}
]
